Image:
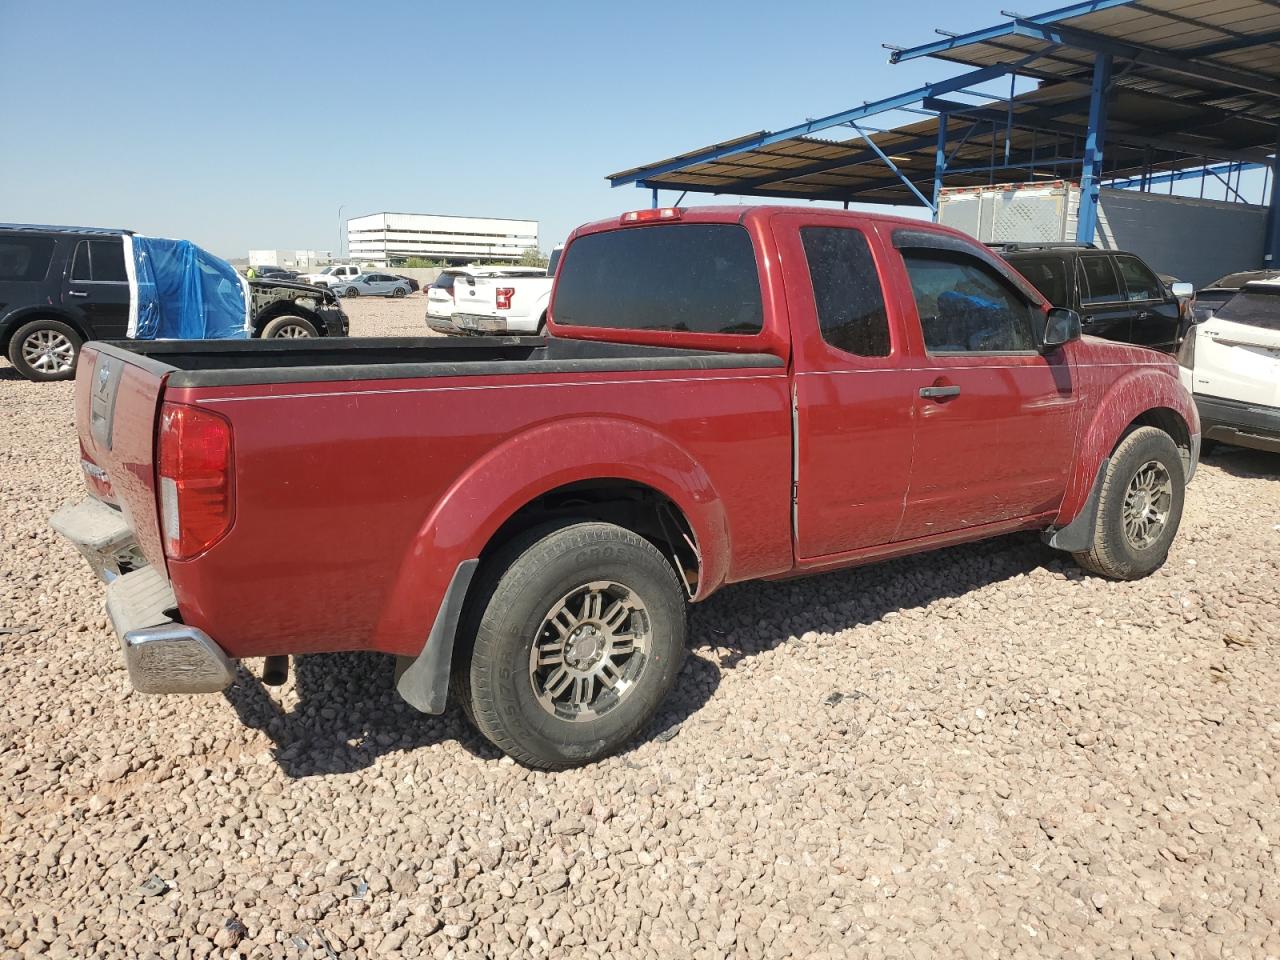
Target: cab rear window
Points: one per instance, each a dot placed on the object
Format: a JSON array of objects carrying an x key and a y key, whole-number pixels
[{"x": 691, "y": 278}]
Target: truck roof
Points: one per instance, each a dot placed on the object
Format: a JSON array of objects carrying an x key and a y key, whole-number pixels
[
  {"x": 726, "y": 213},
  {"x": 77, "y": 231}
]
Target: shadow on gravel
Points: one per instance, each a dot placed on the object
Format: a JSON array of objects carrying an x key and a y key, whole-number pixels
[
  {"x": 757, "y": 617},
  {"x": 1245, "y": 463},
  {"x": 8, "y": 373},
  {"x": 348, "y": 714}
]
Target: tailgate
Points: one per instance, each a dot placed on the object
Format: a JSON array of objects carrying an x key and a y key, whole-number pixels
[
  {"x": 1238, "y": 361},
  {"x": 117, "y": 402},
  {"x": 477, "y": 294}
]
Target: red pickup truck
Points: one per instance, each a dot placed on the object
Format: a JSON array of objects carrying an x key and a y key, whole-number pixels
[{"x": 726, "y": 394}]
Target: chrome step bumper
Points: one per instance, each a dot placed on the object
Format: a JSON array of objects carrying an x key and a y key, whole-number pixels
[{"x": 163, "y": 656}]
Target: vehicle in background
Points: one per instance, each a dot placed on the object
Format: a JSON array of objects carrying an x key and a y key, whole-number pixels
[
  {"x": 63, "y": 286},
  {"x": 333, "y": 275},
  {"x": 442, "y": 292},
  {"x": 373, "y": 285},
  {"x": 266, "y": 272},
  {"x": 499, "y": 305},
  {"x": 522, "y": 521},
  {"x": 1210, "y": 298},
  {"x": 1231, "y": 364},
  {"x": 1117, "y": 296}
]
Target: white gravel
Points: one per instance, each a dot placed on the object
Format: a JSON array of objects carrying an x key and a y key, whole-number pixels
[{"x": 975, "y": 753}]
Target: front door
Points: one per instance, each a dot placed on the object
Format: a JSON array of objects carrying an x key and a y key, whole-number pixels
[
  {"x": 1156, "y": 316},
  {"x": 995, "y": 419},
  {"x": 1104, "y": 307},
  {"x": 853, "y": 400},
  {"x": 98, "y": 286}
]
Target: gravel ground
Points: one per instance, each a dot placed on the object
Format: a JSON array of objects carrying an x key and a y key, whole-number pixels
[{"x": 978, "y": 753}]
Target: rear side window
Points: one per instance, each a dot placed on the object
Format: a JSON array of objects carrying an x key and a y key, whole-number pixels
[
  {"x": 25, "y": 258},
  {"x": 1098, "y": 283},
  {"x": 1255, "y": 308},
  {"x": 693, "y": 278},
  {"x": 965, "y": 306},
  {"x": 846, "y": 290},
  {"x": 1048, "y": 275},
  {"x": 99, "y": 261},
  {"x": 1139, "y": 282}
]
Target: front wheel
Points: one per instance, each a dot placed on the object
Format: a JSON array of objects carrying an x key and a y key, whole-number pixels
[
  {"x": 1139, "y": 508},
  {"x": 581, "y": 637},
  {"x": 352, "y": 292},
  {"x": 45, "y": 350},
  {"x": 289, "y": 328}
]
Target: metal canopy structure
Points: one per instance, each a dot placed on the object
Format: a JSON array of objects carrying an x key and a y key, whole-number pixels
[{"x": 1133, "y": 92}]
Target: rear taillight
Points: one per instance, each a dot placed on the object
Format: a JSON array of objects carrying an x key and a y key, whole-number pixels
[
  {"x": 1187, "y": 352},
  {"x": 503, "y": 297},
  {"x": 196, "y": 479}
]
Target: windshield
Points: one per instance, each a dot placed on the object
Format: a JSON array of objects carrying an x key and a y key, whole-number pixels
[{"x": 1255, "y": 307}]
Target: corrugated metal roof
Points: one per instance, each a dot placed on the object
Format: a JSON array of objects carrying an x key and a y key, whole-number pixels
[{"x": 1193, "y": 80}]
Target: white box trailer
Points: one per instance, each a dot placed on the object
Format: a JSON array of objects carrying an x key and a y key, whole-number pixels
[{"x": 1184, "y": 237}]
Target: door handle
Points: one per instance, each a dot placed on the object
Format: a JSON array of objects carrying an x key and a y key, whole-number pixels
[
  {"x": 939, "y": 393},
  {"x": 77, "y": 293}
]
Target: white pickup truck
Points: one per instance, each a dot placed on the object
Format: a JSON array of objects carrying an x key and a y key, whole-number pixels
[
  {"x": 504, "y": 304},
  {"x": 332, "y": 276}
]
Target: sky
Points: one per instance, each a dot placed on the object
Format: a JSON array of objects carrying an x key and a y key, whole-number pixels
[{"x": 254, "y": 125}]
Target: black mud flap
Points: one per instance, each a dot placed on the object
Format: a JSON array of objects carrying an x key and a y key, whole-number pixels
[{"x": 1077, "y": 535}]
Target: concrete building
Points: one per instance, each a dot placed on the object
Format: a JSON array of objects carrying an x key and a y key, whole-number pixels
[
  {"x": 290, "y": 258},
  {"x": 391, "y": 238}
]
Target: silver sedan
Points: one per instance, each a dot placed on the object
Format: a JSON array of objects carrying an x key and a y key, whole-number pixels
[{"x": 372, "y": 285}]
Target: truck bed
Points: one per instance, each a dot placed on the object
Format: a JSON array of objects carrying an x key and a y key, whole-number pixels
[{"x": 215, "y": 363}]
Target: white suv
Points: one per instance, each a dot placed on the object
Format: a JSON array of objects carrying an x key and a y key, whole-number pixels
[{"x": 1231, "y": 364}]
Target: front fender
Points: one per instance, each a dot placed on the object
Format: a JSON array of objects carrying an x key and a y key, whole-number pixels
[
  {"x": 518, "y": 471},
  {"x": 1137, "y": 391}
]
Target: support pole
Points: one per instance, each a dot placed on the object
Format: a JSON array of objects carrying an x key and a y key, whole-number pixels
[
  {"x": 654, "y": 204},
  {"x": 939, "y": 164},
  {"x": 1271, "y": 252},
  {"x": 1091, "y": 175}
]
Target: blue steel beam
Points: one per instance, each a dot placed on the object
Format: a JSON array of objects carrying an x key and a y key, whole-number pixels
[
  {"x": 939, "y": 47},
  {"x": 892, "y": 166},
  {"x": 1175, "y": 176},
  {"x": 765, "y": 139},
  {"x": 1087, "y": 215},
  {"x": 939, "y": 163}
]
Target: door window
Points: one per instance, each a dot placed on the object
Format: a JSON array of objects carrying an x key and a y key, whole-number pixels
[
  {"x": 108, "y": 261},
  {"x": 80, "y": 263},
  {"x": 846, "y": 290},
  {"x": 25, "y": 258},
  {"x": 965, "y": 306},
  {"x": 1048, "y": 275},
  {"x": 1098, "y": 282},
  {"x": 1139, "y": 282}
]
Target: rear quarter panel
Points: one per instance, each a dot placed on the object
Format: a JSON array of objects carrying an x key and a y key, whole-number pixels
[{"x": 356, "y": 502}]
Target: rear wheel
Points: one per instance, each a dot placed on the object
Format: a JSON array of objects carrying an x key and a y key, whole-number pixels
[
  {"x": 580, "y": 636},
  {"x": 398, "y": 292},
  {"x": 1139, "y": 508},
  {"x": 289, "y": 328},
  {"x": 45, "y": 350}
]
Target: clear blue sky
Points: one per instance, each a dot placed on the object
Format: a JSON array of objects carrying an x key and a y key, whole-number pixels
[{"x": 241, "y": 125}]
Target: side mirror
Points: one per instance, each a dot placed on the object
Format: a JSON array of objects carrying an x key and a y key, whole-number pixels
[
  {"x": 1061, "y": 326},
  {"x": 1182, "y": 290}
]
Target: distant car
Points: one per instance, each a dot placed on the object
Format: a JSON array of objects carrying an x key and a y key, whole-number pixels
[
  {"x": 413, "y": 284},
  {"x": 266, "y": 272},
  {"x": 373, "y": 285},
  {"x": 1210, "y": 298},
  {"x": 1231, "y": 364},
  {"x": 1117, "y": 296}
]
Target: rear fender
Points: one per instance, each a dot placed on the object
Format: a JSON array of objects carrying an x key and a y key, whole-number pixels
[
  {"x": 1136, "y": 392},
  {"x": 523, "y": 468}
]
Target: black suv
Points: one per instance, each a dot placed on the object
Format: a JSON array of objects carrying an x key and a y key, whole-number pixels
[
  {"x": 61, "y": 286},
  {"x": 1117, "y": 295}
]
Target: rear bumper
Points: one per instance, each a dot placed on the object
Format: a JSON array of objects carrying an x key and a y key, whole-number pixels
[
  {"x": 162, "y": 654},
  {"x": 441, "y": 325},
  {"x": 1241, "y": 424},
  {"x": 479, "y": 323}
]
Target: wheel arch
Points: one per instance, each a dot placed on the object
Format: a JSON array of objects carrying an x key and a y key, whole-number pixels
[
  {"x": 285, "y": 308},
  {"x": 20, "y": 318},
  {"x": 634, "y": 477}
]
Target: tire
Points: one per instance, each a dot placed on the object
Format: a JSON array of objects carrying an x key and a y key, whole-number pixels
[
  {"x": 45, "y": 350},
  {"x": 398, "y": 292},
  {"x": 289, "y": 328},
  {"x": 352, "y": 292},
  {"x": 1144, "y": 479},
  {"x": 580, "y": 572}
]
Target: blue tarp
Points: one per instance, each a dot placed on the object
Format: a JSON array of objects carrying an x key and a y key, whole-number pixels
[{"x": 186, "y": 293}]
